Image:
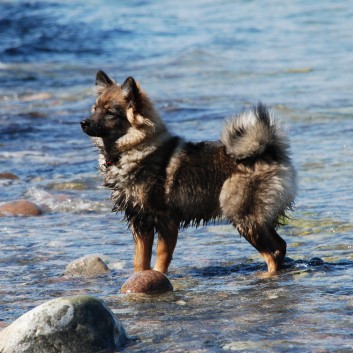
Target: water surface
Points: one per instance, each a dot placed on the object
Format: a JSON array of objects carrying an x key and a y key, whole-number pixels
[{"x": 200, "y": 61}]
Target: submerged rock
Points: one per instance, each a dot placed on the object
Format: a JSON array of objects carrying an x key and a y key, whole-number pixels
[
  {"x": 72, "y": 185},
  {"x": 316, "y": 261},
  {"x": 149, "y": 281},
  {"x": 20, "y": 208},
  {"x": 87, "y": 266},
  {"x": 67, "y": 325},
  {"x": 7, "y": 175}
]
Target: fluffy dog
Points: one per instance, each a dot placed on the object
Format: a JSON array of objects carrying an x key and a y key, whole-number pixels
[{"x": 163, "y": 183}]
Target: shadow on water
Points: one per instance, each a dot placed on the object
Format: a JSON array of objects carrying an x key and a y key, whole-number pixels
[
  {"x": 226, "y": 270},
  {"x": 290, "y": 265},
  {"x": 240, "y": 308}
]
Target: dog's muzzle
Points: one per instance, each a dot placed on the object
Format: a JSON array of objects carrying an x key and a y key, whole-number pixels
[{"x": 89, "y": 127}]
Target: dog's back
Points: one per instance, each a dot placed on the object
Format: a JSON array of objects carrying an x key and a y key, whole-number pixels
[{"x": 194, "y": 180}]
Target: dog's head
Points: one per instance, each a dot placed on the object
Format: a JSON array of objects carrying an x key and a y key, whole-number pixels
[{"x": 121, "y": 112}]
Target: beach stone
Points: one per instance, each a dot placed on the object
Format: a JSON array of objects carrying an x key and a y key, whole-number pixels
[
  {"x": 20, "y": 208},
  {"x": 7, "y": 175},
  {"x": 149, "y": 281},
  {"x": 67, "y": 325},
  {"x": 87, "y": 266},
  {"x": 72, "y": 185}
]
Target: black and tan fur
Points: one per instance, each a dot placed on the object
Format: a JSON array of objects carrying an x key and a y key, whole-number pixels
[{"x": 163, "y": 183}]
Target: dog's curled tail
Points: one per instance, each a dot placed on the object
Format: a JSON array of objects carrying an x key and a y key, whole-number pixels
[{"x": 250, "y": 133}]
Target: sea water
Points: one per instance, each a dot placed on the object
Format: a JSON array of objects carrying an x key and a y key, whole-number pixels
[{"x": 200, "y": 61}]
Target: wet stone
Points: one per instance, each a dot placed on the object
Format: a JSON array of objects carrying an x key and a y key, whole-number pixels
[
  {"x": 148, "y": 282},
  {"x": 20, "y": 208},
  {"x": 67, "y": 325},
  {"x": 87, "y": 266},
  {"x": 316, "y": 261},
  {"x": 7, "y": 175},
  {"x": 73, "y": 185}
]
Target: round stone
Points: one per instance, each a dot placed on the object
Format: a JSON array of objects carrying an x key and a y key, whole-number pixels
[
  {"x": 87, "y": 266},
  {"x": 20, "y": 208},
  {"x": 7, "y": 175},
  {"x": 148, "y": 282}
]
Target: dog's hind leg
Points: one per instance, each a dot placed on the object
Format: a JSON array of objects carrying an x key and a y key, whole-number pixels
[
  {"x": 143, "y": 249},
  {"x": 268, "y": 243},
  {"x": 167, "y": 239}
]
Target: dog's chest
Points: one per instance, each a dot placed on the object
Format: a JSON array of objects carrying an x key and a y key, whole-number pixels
[{"x": 131, "y": 182}]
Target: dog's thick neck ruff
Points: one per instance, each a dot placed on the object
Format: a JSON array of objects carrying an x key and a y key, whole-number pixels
[{"x": 115, "y": 152}]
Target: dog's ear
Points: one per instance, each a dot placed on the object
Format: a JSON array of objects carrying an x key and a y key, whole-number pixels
[
  {"x": 131, "y": 92},
  {"x": 134, "y": 98},
  {"x": 103, "y": 81}
]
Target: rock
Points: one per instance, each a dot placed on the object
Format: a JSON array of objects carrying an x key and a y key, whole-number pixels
[
  {"x": 67, "y": 325},
  {"x": 316, "y": 261},
  {"x": 7, "y": 175},
  {"x": 87, "y": 266},
  {"x": 20, "y": 208},
  {"x": 72, "y": 185},
  {"x": 149, "y": 281}
]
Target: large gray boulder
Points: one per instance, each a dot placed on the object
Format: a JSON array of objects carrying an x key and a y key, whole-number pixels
[{"x": 80, "y": 324}]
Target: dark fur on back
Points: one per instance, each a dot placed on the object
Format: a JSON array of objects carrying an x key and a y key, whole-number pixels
[{"x": 157, "y": 178}]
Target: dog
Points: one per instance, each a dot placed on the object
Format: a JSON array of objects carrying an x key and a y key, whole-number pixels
[{"x": 163, "y": 183}]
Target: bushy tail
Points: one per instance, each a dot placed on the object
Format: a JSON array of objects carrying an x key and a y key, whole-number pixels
[{"x": 249, "y": 134}]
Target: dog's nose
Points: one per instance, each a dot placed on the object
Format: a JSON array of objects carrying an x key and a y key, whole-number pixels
[{"x": 84, "y": 124}]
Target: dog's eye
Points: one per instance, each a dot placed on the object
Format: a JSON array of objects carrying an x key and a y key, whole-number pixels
[
  {"x": 110, "y": 114},
  {"x": 116, "y": 112},
  {"x": 94, "y": 106}
]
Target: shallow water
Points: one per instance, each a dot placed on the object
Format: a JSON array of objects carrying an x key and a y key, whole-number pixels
[{"x": 199, "y": 61}]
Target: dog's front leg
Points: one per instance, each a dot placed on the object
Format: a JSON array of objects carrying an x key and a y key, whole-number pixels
[
  {"x": 167, "y": 239},
  {"x": 143, "y": 249}
]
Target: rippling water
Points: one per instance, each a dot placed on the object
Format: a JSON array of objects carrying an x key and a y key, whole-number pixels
[{"x": 200, "y": 61}]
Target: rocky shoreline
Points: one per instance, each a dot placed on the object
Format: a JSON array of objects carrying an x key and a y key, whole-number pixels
[
  {"x": 78, "y": 324},
  {"x": 73, "y": 324}
]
